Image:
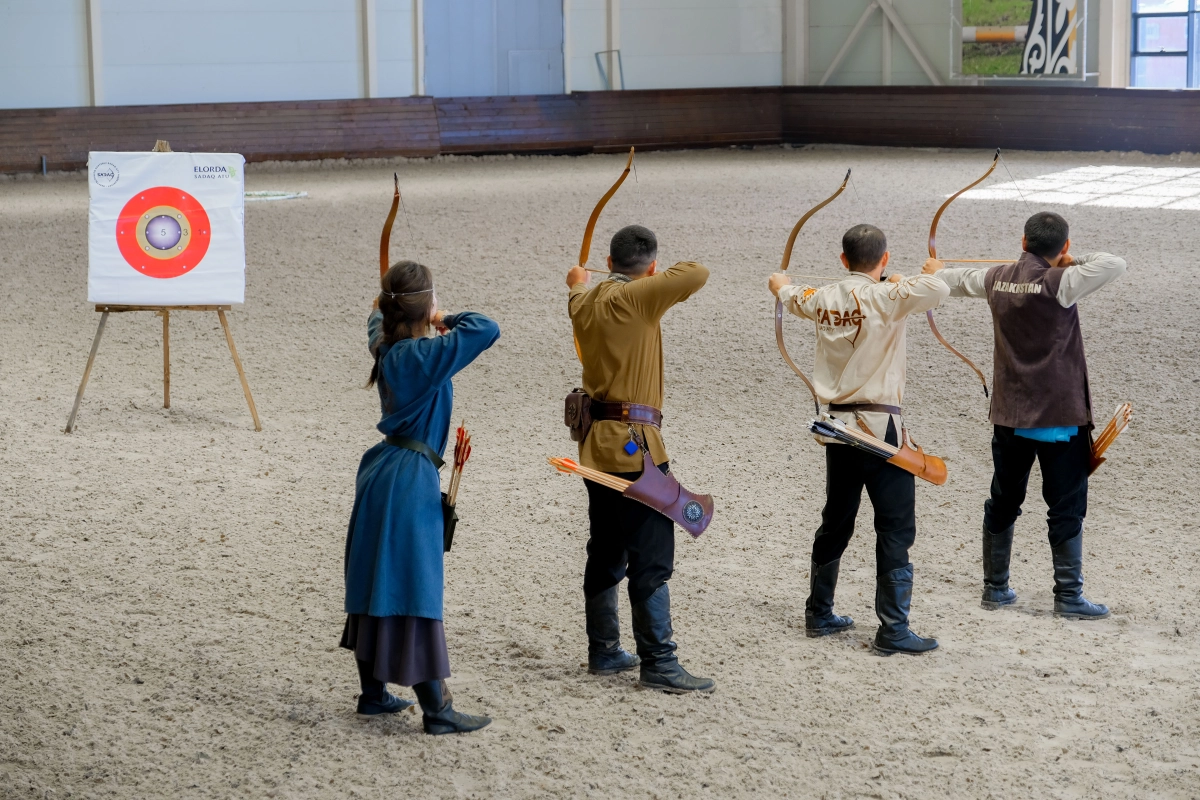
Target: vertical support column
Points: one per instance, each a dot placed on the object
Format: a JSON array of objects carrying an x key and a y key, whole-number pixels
[
  {"x": 795, "y": 42},
  {"x": 1116, "y": 23},
  {"x": 166, "y": 315},
  {"x": 95, "y": 55},
  {"x": 566, "y": 47},
  {"x": 886, "y": 53},
  {"x": 418, "y": 28},
  {"x": 612, "y": 40},
  {"x": 370, "y": 50}
]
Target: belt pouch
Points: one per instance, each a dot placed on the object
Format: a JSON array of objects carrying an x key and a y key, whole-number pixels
[{"x": 577, "y": 414}]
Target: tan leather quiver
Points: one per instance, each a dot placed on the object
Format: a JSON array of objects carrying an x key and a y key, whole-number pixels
[{"x": 926, "y": 467}]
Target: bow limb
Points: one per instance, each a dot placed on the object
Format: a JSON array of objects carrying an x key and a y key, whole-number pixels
[
  {"x": 585, "y": 249},
  {"x": 386, "y": 238},
  {"x": 787, "y": 258},
  {"x": 933, "y": 254}
]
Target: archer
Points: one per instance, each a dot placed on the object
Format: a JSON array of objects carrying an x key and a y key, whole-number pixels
[
  {"x": 860, "y": 370},
  {"x": 1041, "y": 402},
  {"x": 619, "y": 342}
]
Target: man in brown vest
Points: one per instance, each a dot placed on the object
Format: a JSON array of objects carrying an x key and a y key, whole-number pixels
[
  {"x": 1041, "y": 404},
  {"x": 617, "y": 330}
]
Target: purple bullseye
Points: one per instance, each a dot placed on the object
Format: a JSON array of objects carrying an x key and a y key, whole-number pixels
[{"x": 163, "y": 232}]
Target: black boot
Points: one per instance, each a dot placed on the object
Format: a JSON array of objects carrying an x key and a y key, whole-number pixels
[
  {"x": 652, "y": 632},
  {"x": 1069, "y": 601},
  {"x": 605, "y": 654},
  {"x": 438, "y": 712},
  {"x": 375, "y": 698},
  {"x": 893, "y": 597},
  {"x": 997, "y": 550},
  {"x": 819, "y": 619}
]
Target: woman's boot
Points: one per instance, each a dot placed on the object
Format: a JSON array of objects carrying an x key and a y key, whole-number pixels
[
  {"x": 375, "y": 698},
  {"x": 605, "y": 654},
  {"x": 652, "y": 632},
  {"x": 893, "y": 597},
  {"x": 819, "y": 619},
  {"x": 438, "y": 714},
  {"x": 997, "y": 552}
]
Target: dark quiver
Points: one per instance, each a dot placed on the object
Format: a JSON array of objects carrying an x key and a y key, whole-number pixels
[
  {"x": 449, "y": 523},
  {"x": 663, "y": 493},
  {"x": 577, "y": 414}
]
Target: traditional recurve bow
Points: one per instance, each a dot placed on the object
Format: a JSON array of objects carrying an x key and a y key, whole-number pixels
[
  {"x": 787, "y": 257},
  {"x": 386, "y": 238},
  {"x": 933, "y": 254},
  {"x": 586, "y": 248}
]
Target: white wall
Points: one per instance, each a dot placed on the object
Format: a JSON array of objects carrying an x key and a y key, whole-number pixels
[
  {"x": 230, "y": 50},
  {"x": 156, "y": 52},
  {"x": 43, "y": 54},
  {"x": 931, "y": 23},
  {"x": 674, "y": 44},
  {"x": 394, "y": 37}
]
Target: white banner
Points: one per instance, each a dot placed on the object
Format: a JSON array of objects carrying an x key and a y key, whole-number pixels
[{"x": 166, "y": 229}]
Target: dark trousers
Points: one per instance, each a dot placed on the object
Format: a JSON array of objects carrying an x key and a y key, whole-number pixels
[
  {"x": 893, "y": 495},
  {"x": 1064, "y": 481},
  {"x": 627, "y": 539}
]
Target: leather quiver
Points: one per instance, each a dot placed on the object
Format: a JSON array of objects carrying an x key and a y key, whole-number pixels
[
  {"x": 663, "y": 493},
  {"x": 926, "y": 467},
  {"x": 577, "y": 414},
  {"x": 449, "y": 523}
]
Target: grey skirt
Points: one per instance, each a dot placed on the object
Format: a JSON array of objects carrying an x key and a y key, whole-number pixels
[{"x": 403, "y": 650}]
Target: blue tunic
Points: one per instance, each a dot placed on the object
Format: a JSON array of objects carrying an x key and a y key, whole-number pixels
[{"x": 394, "y": 545}]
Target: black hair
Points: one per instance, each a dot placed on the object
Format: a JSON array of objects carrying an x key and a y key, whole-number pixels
[
  {"x": 1045, "y": 234},
  {"x": 633, "y": 250},
  {"x": 864, "y": 246},
  {"x": 405, "y": 300}
]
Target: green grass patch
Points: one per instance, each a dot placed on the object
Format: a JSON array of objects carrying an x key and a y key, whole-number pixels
[
  {"x": 996, "y": 12},
  {"x": 994, "y": 59}
]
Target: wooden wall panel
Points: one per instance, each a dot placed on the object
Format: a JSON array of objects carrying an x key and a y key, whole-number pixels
[
  {"x": 259, "y": 131},
  {"x": 1034, "y": 118}
]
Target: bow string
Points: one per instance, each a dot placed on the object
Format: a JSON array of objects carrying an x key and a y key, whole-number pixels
[
  {"x": 933, "y": 254},
  {"x": 787, "y": 258}
]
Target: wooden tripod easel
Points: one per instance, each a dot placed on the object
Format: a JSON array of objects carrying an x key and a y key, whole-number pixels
[
  {"x": 165, "y": 313},
  {"x": 162, "y": 146}
]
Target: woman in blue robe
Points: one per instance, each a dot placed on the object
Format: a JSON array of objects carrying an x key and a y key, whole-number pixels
[{"x": 393, "y": 565}]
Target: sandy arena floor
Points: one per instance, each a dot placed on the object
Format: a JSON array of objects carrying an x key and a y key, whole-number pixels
[{"x": 171, "y": 585}]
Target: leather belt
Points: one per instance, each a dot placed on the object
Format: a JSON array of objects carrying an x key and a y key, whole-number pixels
[
  {"x": 880, "y": 407},
  {"x": 634, "y": 413},
  {"x": 417, "y": 447}
]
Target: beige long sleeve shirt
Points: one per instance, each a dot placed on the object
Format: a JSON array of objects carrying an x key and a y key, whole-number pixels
[
  {"x": 860, "y": 352},
  {"x": 616, "y": 324},
  {"x": 1088, "y": 274}
]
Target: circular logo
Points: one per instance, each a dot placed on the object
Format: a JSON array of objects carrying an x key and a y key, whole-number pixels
[
  {"x": 106, "y": 174},
  {"x": 693, "y": 512},
  {"x": 163, "y": 232}
]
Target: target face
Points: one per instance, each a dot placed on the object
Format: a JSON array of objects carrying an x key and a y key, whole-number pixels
[
  {"x": 163, "y": 232},
  {"x": 166, "y": 229}
]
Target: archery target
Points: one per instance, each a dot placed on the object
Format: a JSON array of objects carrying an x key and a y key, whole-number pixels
[
  {"x": 163, "y": 232},
  {"x": 166, "y": 229}
]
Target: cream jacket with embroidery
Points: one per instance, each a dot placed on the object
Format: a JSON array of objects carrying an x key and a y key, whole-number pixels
[{"x": 860, "y": 353}]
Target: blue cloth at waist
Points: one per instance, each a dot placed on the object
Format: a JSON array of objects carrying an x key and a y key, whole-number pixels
[{"x": 1059, "y": 434}]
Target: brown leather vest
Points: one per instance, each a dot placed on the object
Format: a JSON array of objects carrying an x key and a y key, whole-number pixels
[{"x": 1040, "y": 378}]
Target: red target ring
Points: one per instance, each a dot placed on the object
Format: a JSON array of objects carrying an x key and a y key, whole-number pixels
[{"x": 163, "y": 232}]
